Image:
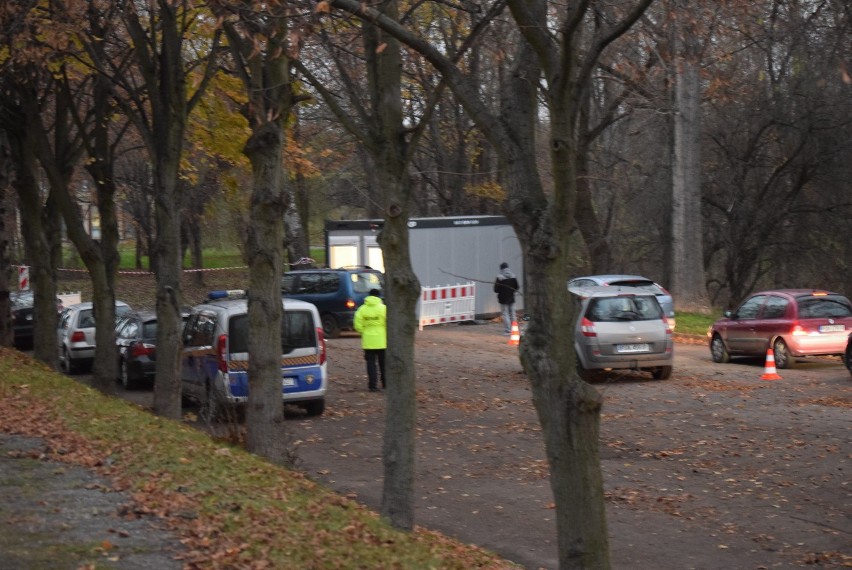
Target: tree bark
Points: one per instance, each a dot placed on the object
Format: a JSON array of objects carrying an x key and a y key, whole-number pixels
[{"x": 688, "y": 287}]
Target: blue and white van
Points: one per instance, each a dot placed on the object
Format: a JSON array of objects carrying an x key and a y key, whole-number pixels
[{"x": 214, "y": 357}]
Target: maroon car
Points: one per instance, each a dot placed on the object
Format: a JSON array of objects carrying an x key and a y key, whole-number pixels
[{"x": 794, "y": 322}]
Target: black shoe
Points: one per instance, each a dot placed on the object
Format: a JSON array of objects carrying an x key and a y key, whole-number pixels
[{"x": 374, "y": 389}]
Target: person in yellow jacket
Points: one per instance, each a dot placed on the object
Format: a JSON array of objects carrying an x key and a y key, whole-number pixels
[{"x": 371, "y": 323}]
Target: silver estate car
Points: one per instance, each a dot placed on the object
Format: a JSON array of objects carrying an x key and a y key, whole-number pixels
[
  {"x": 663, "y": 296},
  {"x": 621, "y": 328}
]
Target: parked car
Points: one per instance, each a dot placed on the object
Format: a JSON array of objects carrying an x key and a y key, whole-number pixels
[
  {"x": 75, "y": 335},
  {"x": 793, "y": 322},
  {"x": 136, "y": 339},
  {"x": 621, "y": 328},
  {"x": 23, "y": 314},
  {"x": 847, "y": 357},
  {"x": 215, "y": 359},
  {"x": 336, "y": 293},
  {"x": 663, "y": 296}
]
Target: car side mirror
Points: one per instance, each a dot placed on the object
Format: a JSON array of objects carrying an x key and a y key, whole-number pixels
[{"x": 730, "y": 314}]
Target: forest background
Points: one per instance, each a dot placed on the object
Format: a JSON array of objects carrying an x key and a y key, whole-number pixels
[{"x": 705, "y": 144}]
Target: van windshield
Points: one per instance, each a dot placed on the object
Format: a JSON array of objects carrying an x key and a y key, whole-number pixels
[
  {"x": 364, "y": 282},
  {"x": 297, "y": 331}
]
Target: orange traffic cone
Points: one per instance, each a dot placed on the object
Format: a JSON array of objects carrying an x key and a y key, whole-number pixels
[
  {"x": 515, "y": 337},
  {"x": 769, "y": 372}
]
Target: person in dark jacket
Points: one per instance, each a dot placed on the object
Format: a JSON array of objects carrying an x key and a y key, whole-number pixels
[
  {"x": 506, "y": 285},
  {"x": 371, "y": 322}
]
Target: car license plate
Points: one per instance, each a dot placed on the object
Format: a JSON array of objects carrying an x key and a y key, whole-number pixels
[
  {"x": 289, "y": 382},
  {"x": 632, "y": 347},
  {"x": 832, "y": 328}
]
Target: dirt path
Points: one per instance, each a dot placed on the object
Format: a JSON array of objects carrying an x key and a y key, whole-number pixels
[{"x": 713, "y": 469}]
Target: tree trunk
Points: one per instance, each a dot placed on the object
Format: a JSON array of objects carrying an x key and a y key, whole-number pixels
[
  {"x": 34, "y": 217},
  {"x": 688, "y": 287},
  {"x": 264, "y": 251},
  {"x": 7, "y": 333}
]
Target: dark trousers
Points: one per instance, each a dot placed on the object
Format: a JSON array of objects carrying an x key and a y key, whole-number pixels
[{"x": 373, "y": 356}]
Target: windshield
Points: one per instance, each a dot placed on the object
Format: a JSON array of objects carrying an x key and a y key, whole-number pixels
[{"x": 364, "y": 282}]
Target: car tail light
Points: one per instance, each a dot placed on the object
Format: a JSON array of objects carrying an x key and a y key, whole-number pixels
[
  {"x": 668, "y": 324},
  {"x": 350, "y": 304},
  {"x": 797, "y": 330},
  {"x": 141, "y": 349},
  {"x": 321, "y": 343},
  {"x": 221, "y": 347},
  {"x": 587, "y": 327},
  {"x": 78, "y": 336}
]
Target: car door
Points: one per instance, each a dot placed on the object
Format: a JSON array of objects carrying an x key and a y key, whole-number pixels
[
  {"x": 197, "y": 347},
  {"x": 772, "y": 320},
  {"x": 741, "y": 326}
]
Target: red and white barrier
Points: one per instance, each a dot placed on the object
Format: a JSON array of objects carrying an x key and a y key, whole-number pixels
[{"x": 449, "y": 304}]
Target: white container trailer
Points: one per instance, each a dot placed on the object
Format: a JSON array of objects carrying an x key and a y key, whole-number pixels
[{"x": 444, "y": 251}]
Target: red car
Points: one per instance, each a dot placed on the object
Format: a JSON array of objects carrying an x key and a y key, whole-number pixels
[{"x": 794, "y": 322}]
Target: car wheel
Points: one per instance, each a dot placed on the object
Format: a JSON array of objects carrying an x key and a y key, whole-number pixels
[
  {"x": 330, "y": 326},
  {"x": 68, "y": 365},
  {"x": 211, "y": 408},
  {"x": 662, "y": 373},
  {"x": 718, "y": 350},
  {"x": 783, "y": 358},
  {"x": 848, "y": 357},
  {"x": 126, "y": 381},
  {"x": 586, "y": 374},
  {"x": 314, "y": 407}
]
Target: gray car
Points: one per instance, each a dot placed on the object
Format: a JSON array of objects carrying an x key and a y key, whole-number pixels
[
  {"x": 621, "y": 328},
  {"x": 663, "y": 296},
  {"x": 75, "y": 335}
]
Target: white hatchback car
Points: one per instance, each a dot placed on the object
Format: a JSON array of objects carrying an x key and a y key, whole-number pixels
[
  {"x": 75, "y": 335},
  {"x": 621, "y": 328}
]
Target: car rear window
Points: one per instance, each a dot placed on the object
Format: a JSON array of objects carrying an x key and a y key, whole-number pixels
[
  {"x": 624, "y": 308},
  {"x": 827, "y": 307},
  {"x": 642, "y": 284},
  {"x": 297, "y": 331}
]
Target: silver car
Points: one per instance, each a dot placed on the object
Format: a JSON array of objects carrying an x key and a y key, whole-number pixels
[
  {"x": 621, "y": 328},
  {"x": 663, "y": 296},
  {"x": 75, "y": 335}
]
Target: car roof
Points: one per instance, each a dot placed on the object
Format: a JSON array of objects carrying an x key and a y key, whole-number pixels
[
  {"x": 349, "y": 269},
  {"x": 142, "y": 315},
  {"x": 613, "y": 277},
  {"x": 797, "y": 292},
  {"x": 88, "y": 305},
  {"x": 608, "y": 291},
  {"x": 230, "y": 304}
]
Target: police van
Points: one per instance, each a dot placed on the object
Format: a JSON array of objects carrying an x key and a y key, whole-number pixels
[{"x": 215, "y": 359}]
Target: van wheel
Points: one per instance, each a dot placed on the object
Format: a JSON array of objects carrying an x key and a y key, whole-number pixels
[
  {"x": 211, "y": 407},
  {"x": 330, "y": 326},
  {"x": 315, "y": 407}
]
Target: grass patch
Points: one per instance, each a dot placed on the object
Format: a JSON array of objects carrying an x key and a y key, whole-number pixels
[
  {"x": 232, "y": 509},
  {"x": 695, "y": 323},
  {"x": 214, "y": 258}
]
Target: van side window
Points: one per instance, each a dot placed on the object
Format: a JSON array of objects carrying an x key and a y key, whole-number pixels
[
  {"x": 310, "y": 283},
  {"x": 200, "y": 330},
  {"x": 288, "y": 284},
  {"x": 330, "y": 283},
  {"x": 238, "y": 333}
]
